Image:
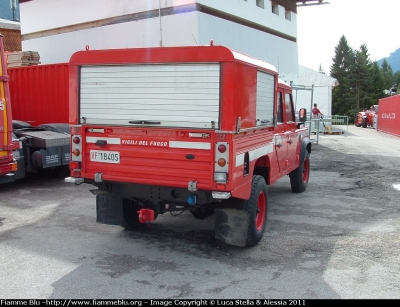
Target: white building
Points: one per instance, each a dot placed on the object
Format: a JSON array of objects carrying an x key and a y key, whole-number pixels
[
  {"x": 314, "y": 87},
  {"x": 260, "y": 28}
]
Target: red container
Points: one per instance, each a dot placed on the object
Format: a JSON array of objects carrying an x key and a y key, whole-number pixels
[
  {"x": 389, "y": 115},
  {"x": 39, "y": 94}
]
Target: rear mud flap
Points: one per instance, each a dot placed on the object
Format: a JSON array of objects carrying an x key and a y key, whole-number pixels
[
  {"x": 231, "y": 226},
  {"x": 109, "y": 209}
]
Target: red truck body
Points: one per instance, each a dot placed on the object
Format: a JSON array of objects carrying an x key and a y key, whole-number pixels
[
  {"x": 39, "y": 93},
  {"x": 172, "y": 128},
  {"x": 389, "y": 114}
]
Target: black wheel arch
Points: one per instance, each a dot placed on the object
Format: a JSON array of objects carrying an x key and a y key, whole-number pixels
[{"x": 305, "y": 145}]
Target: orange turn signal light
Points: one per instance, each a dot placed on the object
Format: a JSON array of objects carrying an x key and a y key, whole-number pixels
[{"x": 221, "y": 162}]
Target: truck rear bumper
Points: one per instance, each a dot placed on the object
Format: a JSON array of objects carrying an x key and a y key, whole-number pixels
[{"x": 74, "y": 180}]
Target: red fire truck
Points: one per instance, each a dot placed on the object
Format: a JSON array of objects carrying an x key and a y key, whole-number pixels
[{"x": 169, "y": 129}]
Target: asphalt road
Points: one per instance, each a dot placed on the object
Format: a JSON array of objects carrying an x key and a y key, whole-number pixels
[{"x": 337, "y": 240}]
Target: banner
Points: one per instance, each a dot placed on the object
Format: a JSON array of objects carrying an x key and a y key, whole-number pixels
[{"x": 167, "y": 302}]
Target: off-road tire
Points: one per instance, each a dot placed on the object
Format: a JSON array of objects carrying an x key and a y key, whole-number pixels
[
  {"x": 299, "y": 177},
  {"x": 364, "y": 123},
  {"x": 256, "y": 206},
  {"x": 130, "y": 215}
]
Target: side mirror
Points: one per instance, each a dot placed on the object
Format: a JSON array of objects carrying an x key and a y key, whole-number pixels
[{"x": 302, "y": 115}]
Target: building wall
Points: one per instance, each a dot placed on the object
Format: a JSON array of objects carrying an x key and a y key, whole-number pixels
[
  {"x": 11, "y": 32},
  {"x": 56, "y": 14},
  {"x": 321, "y": 94},
  {"x": 6, "y": 12},
  {"x": 58, "y": 28},
  {"x": 11, "y": 39}
]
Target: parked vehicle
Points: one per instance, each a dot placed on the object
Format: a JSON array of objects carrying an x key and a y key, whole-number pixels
[
  {"x": 367, "y": 118},
  {"x": 169, "y": 129},
  {"x": 35, "y": 135}
]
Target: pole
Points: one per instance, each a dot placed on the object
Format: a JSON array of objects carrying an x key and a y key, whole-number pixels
[
  {"x": 312, "y": 100},
  {"x": 159, "y": 14}
]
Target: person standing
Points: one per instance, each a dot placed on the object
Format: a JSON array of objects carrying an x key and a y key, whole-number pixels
[{"x": 316, "y": 113}]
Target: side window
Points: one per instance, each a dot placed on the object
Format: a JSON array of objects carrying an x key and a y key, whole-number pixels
[
  {"x": 265, "y": 98},
  {"x": 279, "y": 106},
  {"x": 289, "y": 109}
]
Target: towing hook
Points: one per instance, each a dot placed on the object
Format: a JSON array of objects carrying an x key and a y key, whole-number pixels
[{"x": 145, "y": 215}]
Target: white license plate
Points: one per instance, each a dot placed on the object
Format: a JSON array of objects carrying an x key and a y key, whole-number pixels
[{"x": 104, "y": 156}]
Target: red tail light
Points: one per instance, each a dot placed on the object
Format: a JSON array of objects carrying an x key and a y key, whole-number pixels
[
  {"x": 221, "y": 148},
  {"x": 74, "y": 165}
]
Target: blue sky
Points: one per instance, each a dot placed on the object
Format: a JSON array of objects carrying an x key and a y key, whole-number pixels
[{"x": 319, "y": 28}]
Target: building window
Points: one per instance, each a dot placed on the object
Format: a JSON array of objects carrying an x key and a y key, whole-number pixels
[
  {"x": 275, "y": 8},
  {"x": 288, "y": 15},
  {"x": 260, "y": 3}
]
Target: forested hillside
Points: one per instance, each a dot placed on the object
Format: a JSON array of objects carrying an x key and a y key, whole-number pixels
[{"x": 393, "y": 60}]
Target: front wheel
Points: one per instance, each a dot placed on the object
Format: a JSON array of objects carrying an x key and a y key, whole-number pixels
[
  {"x": 364, "y": 123},
  {"x": 299, "y": 177},
  {"x": 256, "y": 207}
]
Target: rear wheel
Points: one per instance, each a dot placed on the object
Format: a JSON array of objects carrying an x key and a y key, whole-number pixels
[
  {"x": 257, "y": 207},
  {"x": 299, "y": 177},
  {"x": 130, "y": 215}
]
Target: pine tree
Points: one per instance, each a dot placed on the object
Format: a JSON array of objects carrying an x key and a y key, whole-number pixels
[
  {"x": 378, "y": 83},
  {"x": 396, "y": 78},
  {"x": 363, "y": 82},
  {"x": 343, "y": 96},
  {"x": 387, "y": 74}
]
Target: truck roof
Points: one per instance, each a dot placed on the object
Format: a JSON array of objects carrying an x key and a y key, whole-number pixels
[{"x": 154, "y": 55}]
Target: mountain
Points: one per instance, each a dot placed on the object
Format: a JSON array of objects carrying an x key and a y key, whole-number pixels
[{"x": 393, "y": 60}]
